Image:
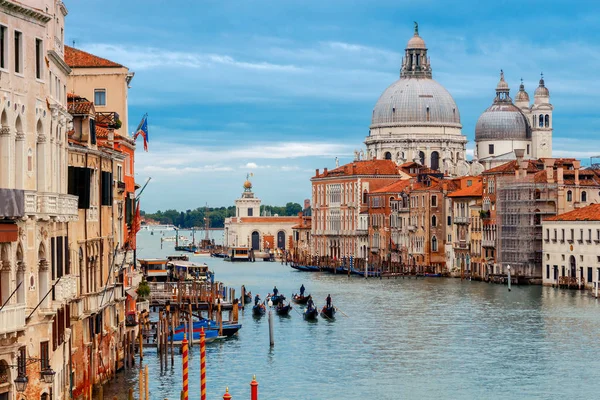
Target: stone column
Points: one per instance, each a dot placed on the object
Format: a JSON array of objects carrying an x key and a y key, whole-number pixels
[
  {"x": 5, "y": 280},
  {"x": 20, "y": 160},
  {"x": 4, "y": 156},
  {"x": 43, "y": 282},
  {"x": 41, "y": 164},
  {"x": 21, "y": 268}
]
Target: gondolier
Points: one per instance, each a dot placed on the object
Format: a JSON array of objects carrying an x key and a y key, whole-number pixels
[
  {"x": 302, "y": 289},
  {"x": 256, "y": 299},
  {"x": 328, "y": 301},
  {"x": 275, "y": 291}
]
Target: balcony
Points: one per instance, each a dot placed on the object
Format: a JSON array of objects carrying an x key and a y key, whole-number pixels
[
  {"x": 93, "y": 302},
  {"x": 459, "y": 219},
  {"x": 488, "y": 243},
  {"x": 66, "y": 289},
  {"x": 12, "y": 319},
  {"x": 412, "y": 228},
  {"x": 142, "y": 305},
  {"x": 461, "y": 245},
  {"x": 362, "y": 232},
  {"x": 109, "y": 119},
  {"x": 47, "y": 205}
]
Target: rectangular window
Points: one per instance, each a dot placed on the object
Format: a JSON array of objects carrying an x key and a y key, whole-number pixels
[
  {"x": 433, "y": 201},
  {"x": 3, "y": 47},
  {"x": 18, "y": 52},
  {"x": 44, "y": 355},
  {"x": 79, "y": 185},
  {"x": 555, "y": 272},
  {"x": 119, "y": 173},
  {"x": 547, "y": 234},
  {"x": 491, "y": 149},
  {"x": 100, "y": 97},
  {"x": 449, "y": 221},
  {"x": 590, "y": 277},
  {"x": 107, "y": 192},
  {"x": 547, "y": 271},
  {"x": 92, "y": 131},
  {"x": 250, "y": 212},
  {"x": 527, "y": 149},
  {"x": 39, "y": 55},
  {"x": 562, "y": 236}
]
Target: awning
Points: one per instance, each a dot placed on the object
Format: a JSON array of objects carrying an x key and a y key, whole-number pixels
[
  {"x": 131, "y": 293},
  {"x": 9, "y": 232}
]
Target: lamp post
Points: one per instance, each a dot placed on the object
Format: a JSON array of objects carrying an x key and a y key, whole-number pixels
[{"x": 508, "y": 269}]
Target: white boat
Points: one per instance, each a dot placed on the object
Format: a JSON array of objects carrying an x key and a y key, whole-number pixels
[{"x": 158, "y": 228}]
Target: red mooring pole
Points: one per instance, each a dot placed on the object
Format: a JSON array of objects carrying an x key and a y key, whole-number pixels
[
  {"x": 202, "y": 364},
  {"x": 254, "y": 389},
  {"x": 184, "y": 351}
]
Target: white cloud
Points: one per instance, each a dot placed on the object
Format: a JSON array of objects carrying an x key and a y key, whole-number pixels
[{"x": 250, "y": 165}]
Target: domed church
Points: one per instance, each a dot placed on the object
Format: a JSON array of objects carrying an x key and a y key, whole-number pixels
[
  {"x": 416, "y": 118},
  {"x": 506, "y": 126}
]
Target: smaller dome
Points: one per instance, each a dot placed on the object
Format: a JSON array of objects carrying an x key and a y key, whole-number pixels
[
  {"x": 416, "y": 42},
  {"x": 247, "y": 185},
  {"x": 522, "y": 95},
  {"x": 502, "y": 85},
  {"x": 542, "y": 90},
  {"x": 502, "y": 121}
]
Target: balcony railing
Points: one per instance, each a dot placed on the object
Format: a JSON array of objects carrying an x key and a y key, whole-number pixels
[
  {"x": 93, "y": 302},
  {"x": 45, "y": 205},
  {"x": 459, "y": 219},
  {"x": 362, "y": 232},
  {"x": 109, "y": 119},
  {"x": 461, "y": 245},
  {"x": 142, "y": 305},
  {"x": 66, "y": 289},
  {"x": 488, "y": 243},
  {"x": 12, "y": 319}
]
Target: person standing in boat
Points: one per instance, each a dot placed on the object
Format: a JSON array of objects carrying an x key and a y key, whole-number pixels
[
  {"x": 256, "y": 299},
  {"x": 275, "y": 291},
  {"x": 310, "y": 303},
  {"x": 328, "y": 301},
  {"x": 302, "y": 289}
]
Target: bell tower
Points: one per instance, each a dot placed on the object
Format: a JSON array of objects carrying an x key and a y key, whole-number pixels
[
  {"x": 541, "y": 121},
  {"x": 247, "y": 205}
]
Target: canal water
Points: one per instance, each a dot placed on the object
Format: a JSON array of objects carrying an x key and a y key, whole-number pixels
[{"x": 429, "y": 338}]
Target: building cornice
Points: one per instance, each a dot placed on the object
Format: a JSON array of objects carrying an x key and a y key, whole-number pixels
[
  {"x": 59, "y": 61},
  {"x": 63, "y": 8},
  {"x": 21, "y": 9},
  {"x": 330, "y": 178}
]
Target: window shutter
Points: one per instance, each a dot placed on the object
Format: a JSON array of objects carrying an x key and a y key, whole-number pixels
[
  {"x": 53, "y": 257},
  {"x": 67, "y": 258},
  {"x": 59, "y": 256}
]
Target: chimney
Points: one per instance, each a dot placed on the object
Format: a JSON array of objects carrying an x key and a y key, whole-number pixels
[
  {"x": 519, "y": 154},
  {"x": 549, "y": 166},
  {"x": 376, "y": 171},
  {"x": 559, "y": 175},
  {"x": 354, "y": 169},
  {"x": 576, "y": 165},
  {"x": 325, "y": 171},
  {"x": 317, "y": 172}
]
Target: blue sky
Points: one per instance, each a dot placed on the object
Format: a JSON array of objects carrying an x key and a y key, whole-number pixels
[{"x": 280, "y": 88}]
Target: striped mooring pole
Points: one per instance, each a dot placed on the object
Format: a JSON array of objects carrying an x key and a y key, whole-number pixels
[
  {"x": 202, "y": 364},
  {"x": 184, "y": 351}
]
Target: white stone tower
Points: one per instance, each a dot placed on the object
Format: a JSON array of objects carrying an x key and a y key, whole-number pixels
[
  {"x": 247, "y": 205},
  {"x": 541, "y": 122}
]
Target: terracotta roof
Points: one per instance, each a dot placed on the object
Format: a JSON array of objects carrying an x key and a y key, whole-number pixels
[
  {"x": 76, "y": 58},
  {"x": 395, "y": 187},
  {"x": 365, "y": 167},
  {"x": 475, "y": 190},
  {"x": 81, "y": 107},
  {"x": 102, "y": 132},
  {"x": 589, "y": 213}
]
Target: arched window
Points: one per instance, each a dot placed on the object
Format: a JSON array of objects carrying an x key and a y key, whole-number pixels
[
  {"x": 435, "y": 160},
  {"x": 422, "y": 157},
  {"x": 434, "y": 244},
  {"x": 583, "y": 197},
  {"x": 569, "y": 196},
  {"x": 547, "y": 121},
  {"x": 388, "y": 155},
  {"x": 364, "y": 199},
  {"x": 541, "y": 118},
  {"x": 428, "y": 114},
  {"x": 433, "y": 220}
]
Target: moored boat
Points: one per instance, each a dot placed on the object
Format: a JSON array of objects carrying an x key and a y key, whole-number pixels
[
  {"x": 209, "y": 335},
  {"x": 431, "y": 275},
  {"x": 248, "y": 298},
  {"x": 228, "y": 329},
  {"x": 299, "y": 267},
  {"x": 312, "y": 268},
  {"x": 218, "y": 255},
  {"x": 277, "y": 299},
  {"x": 328, "y": 312}
]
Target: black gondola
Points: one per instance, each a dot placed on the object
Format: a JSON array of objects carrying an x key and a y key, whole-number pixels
[
  {"x": 311, "y": 313},
  {"x": 259, "y": 310},
  {"x": 248, "y": 298},
  {"x": 300, "y": 299},
  {"x": 283, "y": 309},
  {"x": 279, "y": 299},
  {"x": 328, "y": 312}
]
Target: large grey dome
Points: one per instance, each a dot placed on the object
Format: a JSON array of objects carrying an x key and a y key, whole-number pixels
[
  {"x": 502, "y": 121},
  {"x": 416, "y": 102}
]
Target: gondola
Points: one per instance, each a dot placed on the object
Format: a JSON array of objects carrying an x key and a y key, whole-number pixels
[
  {"x": 218, "y": 255},
  {"x": 311, "y": 268},
  {"x": 300, "y": 299},
  {"x": 277, "y": 299},
  {"x": 311, "y": 313},
  {"x": 229, "y": 328},
  {"x": 298, "y": 267},
  {"x": 259, "y": 310},
  {"x": 248, "y": 298},
  {"x": 328, "y": 312},
  {"x": 283, "y": 310}
]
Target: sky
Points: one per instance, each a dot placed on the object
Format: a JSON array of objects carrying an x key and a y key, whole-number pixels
[{"x": 281, "y": 88}]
